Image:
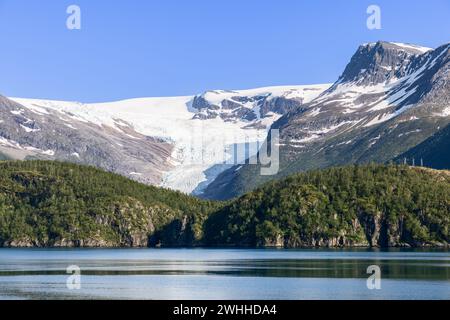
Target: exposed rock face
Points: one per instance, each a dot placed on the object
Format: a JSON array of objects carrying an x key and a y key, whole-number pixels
[
  {"x": 252, "y": 105},
  {"x": 371, "y": 226},
  {"x": 23, "y": 243},
  {"x": 281, "y": 105},
  {"x": 378, "y": 62},
  {"x": 235, "y": 108}
]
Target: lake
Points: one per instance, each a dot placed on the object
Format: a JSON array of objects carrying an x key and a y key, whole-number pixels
[{"x": 222, "y": 274}]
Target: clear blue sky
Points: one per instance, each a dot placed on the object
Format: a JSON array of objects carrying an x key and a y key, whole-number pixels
[{"x": 137, "y": 48}]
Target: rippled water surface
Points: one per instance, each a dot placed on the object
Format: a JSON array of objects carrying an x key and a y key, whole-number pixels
[{"x": 223, "y": 274}]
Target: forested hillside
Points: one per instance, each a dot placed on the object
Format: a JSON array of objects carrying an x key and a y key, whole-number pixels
[
  {"x": 48, "y": 204},
  {"x": 60, "y": 204},
  {"x": 371, "y": 205}
]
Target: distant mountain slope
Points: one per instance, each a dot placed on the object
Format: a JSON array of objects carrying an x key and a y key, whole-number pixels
[
  {"x": 389, "y": 98},
  {"x": 178, "y": 142},
  {"x": 433, "y": 152},
  {"x": 54, "y": 204},
  {"x": 38, "y": 132}
]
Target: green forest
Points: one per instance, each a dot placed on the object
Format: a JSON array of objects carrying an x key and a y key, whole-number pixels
[
  {"x": 56, "y": 204},
  {"x": 45, "y": 203},
  {"x": 370, "y": 205}
]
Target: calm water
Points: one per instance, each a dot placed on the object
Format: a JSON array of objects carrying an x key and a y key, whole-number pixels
[{"x": 223, "y": 274}]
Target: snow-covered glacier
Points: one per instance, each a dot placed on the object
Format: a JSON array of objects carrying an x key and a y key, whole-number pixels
[{"x": 205, "y": 131}]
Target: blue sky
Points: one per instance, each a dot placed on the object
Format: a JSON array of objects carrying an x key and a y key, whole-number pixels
[{"x": 138, "y": 48}]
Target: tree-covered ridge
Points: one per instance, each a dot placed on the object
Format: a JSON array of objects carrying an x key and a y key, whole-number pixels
[
  {"x": 60, "y": 204},
  {"x": 45, "y": 203},
  {"x": 372, "y": 205}
]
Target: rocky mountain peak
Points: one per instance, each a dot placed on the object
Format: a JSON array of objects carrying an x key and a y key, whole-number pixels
[
  {"x": 380, "y": 62},
  {"x": 390, "y": 98}
]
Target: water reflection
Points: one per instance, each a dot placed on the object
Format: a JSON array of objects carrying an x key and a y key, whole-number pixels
[{"x": 224, "y": 274}]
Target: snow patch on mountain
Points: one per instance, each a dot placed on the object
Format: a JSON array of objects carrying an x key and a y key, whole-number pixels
[
  {"x": 17, "y": 146},
  {"x": 412, "y": 46}
]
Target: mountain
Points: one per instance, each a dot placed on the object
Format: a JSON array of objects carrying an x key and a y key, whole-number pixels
[
  {"x": 56, "y": 204},
  {"x": 40, "y": 132},
  {"x": 433, "y": 152},
  {"x": 390, "y": 98},
  {"x": 181, "y": 143}
]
